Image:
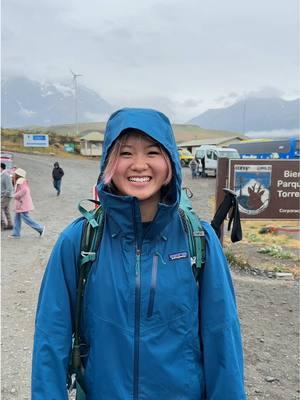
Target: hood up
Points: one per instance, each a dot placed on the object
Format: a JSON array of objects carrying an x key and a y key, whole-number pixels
[
  {"x": 121, "y": 208},
  {"x": 156, "y": 125}
]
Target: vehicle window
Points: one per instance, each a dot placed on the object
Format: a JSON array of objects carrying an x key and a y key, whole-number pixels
[
  {"x": 7, "y": 162},
  {"x": 229, "y": 154},
  {"x": 199, "y": 154},
  {"x": 209, "y": 154},
  {"x": 214, "y": 155}
]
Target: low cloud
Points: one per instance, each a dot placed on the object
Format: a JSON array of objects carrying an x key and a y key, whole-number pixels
[{"x": 266, "y": 92}]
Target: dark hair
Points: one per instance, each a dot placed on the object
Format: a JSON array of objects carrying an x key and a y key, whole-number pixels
[{"x": 3, "y": 166}]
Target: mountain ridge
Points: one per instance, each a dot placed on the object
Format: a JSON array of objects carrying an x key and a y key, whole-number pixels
[{"x": 252, "y": 114}]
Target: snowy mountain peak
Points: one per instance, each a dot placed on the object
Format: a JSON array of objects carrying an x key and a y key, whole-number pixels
[{"x": 26, "y": 102}]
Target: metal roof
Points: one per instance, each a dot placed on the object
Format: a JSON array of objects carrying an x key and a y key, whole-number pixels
[
  {"x": 213, "y": 141},
  {"x": 93, "y": 137}
]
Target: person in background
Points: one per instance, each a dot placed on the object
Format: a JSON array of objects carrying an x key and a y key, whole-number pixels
[
  {"x": 150, "y": 330},
  {"x": 193, "y": 166},
  {"x": 23, "y": 205},
  {"x": 203, "y": 167},
  {"x": 6, "y": 196},
  {"x": 57, "y": 174}
]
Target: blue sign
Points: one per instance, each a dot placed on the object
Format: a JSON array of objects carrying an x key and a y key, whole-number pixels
[{"x": 32, "y": 140}]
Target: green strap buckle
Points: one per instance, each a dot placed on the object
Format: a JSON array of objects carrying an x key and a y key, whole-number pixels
[{"x": 87, "y": 256}]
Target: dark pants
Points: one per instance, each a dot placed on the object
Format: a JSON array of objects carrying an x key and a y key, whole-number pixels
[{"x": 57, "y": 185}]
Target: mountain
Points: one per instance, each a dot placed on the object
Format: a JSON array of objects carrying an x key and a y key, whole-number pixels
[
  {"x": 252, "y": 114},
  {"x": 26, "y": 103}
]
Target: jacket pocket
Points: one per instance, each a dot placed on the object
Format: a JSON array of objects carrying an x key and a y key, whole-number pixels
[{"x": 153, "y": 286}]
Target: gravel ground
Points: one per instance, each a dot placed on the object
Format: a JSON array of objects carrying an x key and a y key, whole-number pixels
[{"x": 268, "y": 308}]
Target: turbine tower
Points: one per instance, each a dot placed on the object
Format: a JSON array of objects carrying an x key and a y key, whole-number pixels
[{"x": 75, "y": 76}]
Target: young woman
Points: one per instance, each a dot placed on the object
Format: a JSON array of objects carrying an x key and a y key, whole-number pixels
[
  {"x": 150, "y": 331},
  {"x": 23, "y": 205}
]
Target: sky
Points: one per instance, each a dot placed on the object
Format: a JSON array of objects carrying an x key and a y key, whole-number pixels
[{"x": 180, "y": 56}]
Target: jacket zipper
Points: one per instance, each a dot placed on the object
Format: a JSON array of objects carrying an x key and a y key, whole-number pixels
[
  {"x": 153, "y": 286},
  {"x": 137, "y": 319}
]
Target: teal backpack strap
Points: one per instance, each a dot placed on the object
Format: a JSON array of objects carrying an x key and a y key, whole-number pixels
[
  {"x": 90, "y": 241},
  {"x": 194, "y": 230}
]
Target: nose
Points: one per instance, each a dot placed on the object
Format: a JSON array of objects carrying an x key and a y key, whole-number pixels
[{"x": 139, "y": 163}]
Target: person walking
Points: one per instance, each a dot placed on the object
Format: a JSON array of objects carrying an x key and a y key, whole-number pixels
[
  {"x": 57, "y": 174},
  {"x": 149, "y": 329},
  {"x": 6, "y": 196},
  {"x": 203, "y": 167},
  {"x": 193, "y": 166},
  {"x": 23, "y": 205}
]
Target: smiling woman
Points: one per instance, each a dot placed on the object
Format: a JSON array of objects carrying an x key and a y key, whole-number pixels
[{"x": 139, "y": 167}]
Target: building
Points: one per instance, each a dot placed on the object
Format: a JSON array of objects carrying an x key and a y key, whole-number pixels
[
  {"x": 191, "y": 145},
  {"x": 91, "y": 144}
]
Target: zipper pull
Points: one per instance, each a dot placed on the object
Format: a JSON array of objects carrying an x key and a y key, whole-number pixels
[{"x": 137, "y": 262}]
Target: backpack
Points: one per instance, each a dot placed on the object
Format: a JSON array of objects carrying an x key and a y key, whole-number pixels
[{"x": 90, "y": 242}]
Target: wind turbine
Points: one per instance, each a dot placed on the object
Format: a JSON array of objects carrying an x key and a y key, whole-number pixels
[{"x": 75, "y": 76}]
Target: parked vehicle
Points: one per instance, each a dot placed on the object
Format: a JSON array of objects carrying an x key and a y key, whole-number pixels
[
  {"x": 7, "y": 158},
  {"x": 211, "y": 155},
  {"x": 288, "y": 148},
  {"x": 185, "y": 157}
]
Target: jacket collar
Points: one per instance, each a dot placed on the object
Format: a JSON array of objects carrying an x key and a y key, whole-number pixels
[{"x": 124, "y": 215}]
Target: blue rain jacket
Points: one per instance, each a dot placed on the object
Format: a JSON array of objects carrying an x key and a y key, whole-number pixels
[{"x": 151, "y": 332}]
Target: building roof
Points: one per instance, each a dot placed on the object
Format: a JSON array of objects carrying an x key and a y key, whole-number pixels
[
  {"x": 93, "y": 137},
  {"x": 213, "y": 141}
]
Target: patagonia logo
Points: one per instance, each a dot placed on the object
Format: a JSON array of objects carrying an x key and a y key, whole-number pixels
[{"x": 178, "y": 256}]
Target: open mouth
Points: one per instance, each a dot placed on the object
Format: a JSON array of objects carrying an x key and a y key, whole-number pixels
[{"x": 139, "y": 179}]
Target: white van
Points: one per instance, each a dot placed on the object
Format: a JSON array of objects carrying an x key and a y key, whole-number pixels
[{"x": 211, "y": 155}]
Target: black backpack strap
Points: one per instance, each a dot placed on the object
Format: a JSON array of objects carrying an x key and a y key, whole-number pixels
[
  {"x": 196, "y": 240},
  {"x": 90, "y": 240}
]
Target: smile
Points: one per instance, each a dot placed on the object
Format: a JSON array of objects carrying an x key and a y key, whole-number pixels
[{"x": 139, "y": 179}]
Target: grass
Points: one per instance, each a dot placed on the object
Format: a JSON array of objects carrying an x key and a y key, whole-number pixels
[{"x": 277, "y": 252}]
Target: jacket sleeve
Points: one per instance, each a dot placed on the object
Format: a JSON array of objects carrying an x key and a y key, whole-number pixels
[
  {"x": 20, "y": 193},
  {"x": 219, "y": 326},
  {"x": 7, "y": 188},
  {"x": 54, "y": 316}
]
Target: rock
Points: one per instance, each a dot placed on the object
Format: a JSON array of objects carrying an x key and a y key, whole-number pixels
[
  {"x": 284, "y": 275},
  {"x": 270, "y": 379}
]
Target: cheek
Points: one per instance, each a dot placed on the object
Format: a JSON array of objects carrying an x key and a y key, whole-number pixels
[{"x": 166, "y": 170}]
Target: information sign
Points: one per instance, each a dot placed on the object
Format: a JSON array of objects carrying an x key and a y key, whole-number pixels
[
  {"x": 266, "y": 189},
  {"x": 36, "y": 140}
]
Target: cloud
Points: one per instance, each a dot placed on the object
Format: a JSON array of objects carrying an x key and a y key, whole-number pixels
[
  {"x": 191, "y": 103},
  {"x": 172, "y": 49},
  {"x": 266, "y": 92}
]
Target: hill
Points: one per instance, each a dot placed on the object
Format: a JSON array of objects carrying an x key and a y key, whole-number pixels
[
  {"x": 182, "y": 132},
  {"x": 252, "y": 114}
]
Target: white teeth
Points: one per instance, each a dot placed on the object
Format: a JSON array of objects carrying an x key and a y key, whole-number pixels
[{"x": 139, "y": 179}]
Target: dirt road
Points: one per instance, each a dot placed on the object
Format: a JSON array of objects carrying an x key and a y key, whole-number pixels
[{"x": 268, "y": 308}]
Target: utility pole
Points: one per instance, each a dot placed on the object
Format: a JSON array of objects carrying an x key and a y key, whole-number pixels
[
  {"x": 244, "y": 115},
  {"x": 75, "y": 76}
]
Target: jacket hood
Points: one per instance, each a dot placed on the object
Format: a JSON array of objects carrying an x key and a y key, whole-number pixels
[
  {"x": 121, "y": 208},
  {"x": 156, "y": 125}
]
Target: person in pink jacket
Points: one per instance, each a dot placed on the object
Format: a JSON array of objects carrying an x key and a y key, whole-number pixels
[{"x": 23, "y": 205}]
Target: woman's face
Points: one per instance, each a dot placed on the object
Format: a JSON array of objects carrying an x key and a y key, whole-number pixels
[{"x": 141, "y": 169}]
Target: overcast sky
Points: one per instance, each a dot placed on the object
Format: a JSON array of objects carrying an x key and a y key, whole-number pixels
[{"x": 181, "y": 56}]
